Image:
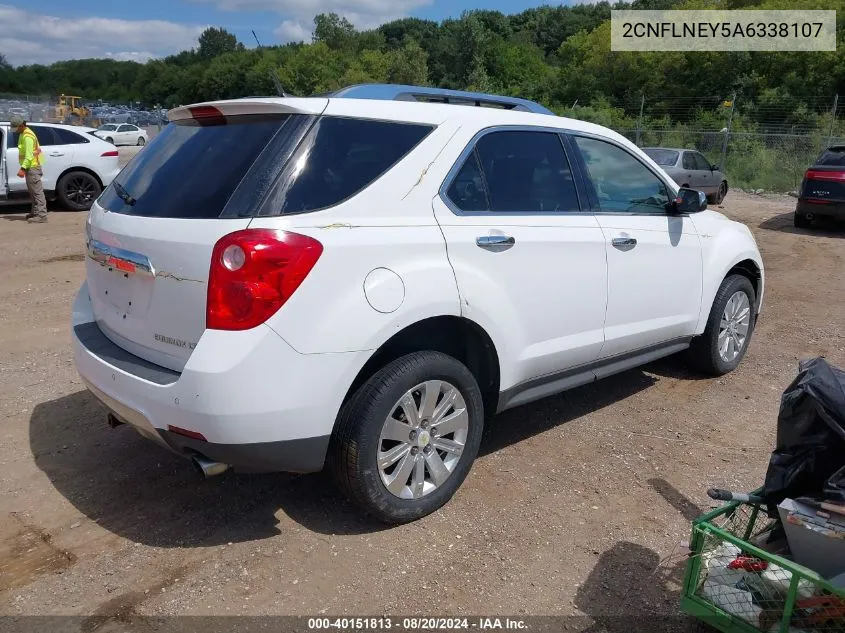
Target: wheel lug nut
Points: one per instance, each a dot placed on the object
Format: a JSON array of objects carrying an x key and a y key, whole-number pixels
[
  {"x": 427, "y": 450},
  {"x": 424, "y": 423},
  {"x": 414, "y": 450},
  {"x": 413, "y": 435}
]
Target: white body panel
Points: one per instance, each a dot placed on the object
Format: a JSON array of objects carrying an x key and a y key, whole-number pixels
[
  {"x": 141, "y": 313},
  {"x": 223, "y": 391},
  {"x": 655, "y": 287},
  {"x": 543, "y": 300}
]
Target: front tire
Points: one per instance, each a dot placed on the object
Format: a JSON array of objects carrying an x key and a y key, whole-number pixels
[
  {"x": 725, "y": 340},
  {"x": 109, "y": 139},
  {"x": 723, "y": 191},
  {"x": 800, "y": 221},
  {"x": 77, "y": 190},
  {"x": 406, "y": 440}
]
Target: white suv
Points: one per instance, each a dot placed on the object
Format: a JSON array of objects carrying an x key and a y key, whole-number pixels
[
  {"x": 361, "y": 281},
  {"x": 77, "y": 164}
]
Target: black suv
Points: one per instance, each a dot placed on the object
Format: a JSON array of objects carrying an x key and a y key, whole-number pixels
[{"x": 822, "y": 192}]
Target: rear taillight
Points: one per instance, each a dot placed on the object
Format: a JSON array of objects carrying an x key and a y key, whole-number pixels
[
  {"x": 815, "y": 174},
  {"x": 114, "y": 153},
  {"x": 253, "y": 273}
]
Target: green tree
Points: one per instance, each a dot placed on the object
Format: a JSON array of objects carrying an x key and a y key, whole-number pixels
[
  {"x": 214, "y": 42},
  {"x": 408, "y": 65},
  {"x": 335, "y": 31}
]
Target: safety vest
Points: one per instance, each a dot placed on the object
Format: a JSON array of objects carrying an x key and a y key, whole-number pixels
[{"x": 36, "y": 151}]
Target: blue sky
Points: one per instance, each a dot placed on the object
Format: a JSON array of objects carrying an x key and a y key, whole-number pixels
[{"x": 52, "y": 30}]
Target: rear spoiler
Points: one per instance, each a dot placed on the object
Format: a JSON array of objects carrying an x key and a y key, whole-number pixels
[{"x": 261, "y": 105}]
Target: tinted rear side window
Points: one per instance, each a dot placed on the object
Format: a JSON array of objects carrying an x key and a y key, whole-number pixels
[
  {"x": 69, "y": 138},
  {"x": 527, "y": 172},
  {"x": 191, "y": 170},
  {"x": 337, "y": 159},
  {"x": 834, "y": 157},
  {"x": 46, "y": 135}
]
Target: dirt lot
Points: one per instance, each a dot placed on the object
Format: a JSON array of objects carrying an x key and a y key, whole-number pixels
[{"x": 575, "y": 506}]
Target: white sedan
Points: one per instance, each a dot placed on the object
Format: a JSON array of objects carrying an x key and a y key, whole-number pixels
[{"x": 122, "y": 134}]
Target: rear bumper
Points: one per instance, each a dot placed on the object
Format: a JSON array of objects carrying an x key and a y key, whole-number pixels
[
  {"x": 819, "y": 211},
  {"x": 259, "y": 405}
]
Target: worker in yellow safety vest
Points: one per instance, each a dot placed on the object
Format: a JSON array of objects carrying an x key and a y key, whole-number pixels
[{"x": 31, "y": 159}]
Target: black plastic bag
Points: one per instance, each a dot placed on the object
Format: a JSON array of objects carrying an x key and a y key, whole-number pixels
[
  {"x": 835, "y": 487},
  {"x": 809, "y": 458}
]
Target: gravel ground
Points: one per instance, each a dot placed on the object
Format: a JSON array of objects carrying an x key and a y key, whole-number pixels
[{"x": 577, "y": 505}]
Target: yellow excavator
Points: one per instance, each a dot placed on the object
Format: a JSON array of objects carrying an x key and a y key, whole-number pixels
[{"x": 70, "y": 110}]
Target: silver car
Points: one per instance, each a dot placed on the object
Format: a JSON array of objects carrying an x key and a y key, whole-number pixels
[{"x": 690, "y": 168}]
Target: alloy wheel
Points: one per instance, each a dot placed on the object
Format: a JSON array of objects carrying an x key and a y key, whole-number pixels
[
  {"x": 422, "y": 439},
  {"x": 733, "y": 328}
]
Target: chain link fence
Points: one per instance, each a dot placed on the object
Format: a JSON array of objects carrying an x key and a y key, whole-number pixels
[{"x": 766, "y": 144}]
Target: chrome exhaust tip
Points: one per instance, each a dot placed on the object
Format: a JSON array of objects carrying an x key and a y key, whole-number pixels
[{"x": 208, "y": 468}]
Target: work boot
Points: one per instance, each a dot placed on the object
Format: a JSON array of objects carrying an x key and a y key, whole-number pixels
[
  {"x": 37, "y": 219},
  {"x": 30, "y": 215}
]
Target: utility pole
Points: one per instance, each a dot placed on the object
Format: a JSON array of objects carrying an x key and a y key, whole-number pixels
[
  {"x": 832, "y": 122},
  {"x": 640, "y": 119},
  {"x": 727, "y": 134}
]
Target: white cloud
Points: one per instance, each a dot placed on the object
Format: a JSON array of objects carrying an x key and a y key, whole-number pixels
[
  {"x": 298, "y": 15},
  {"x": 33, "y": 38},
  {"x": 292, "y": 31}
]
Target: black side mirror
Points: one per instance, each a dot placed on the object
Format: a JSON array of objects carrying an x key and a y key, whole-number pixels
[
  {"x": 714, "y": 168},
  {"x": 690, "y": 201}
]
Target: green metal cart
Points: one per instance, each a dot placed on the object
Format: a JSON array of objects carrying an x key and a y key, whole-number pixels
[{"x": 735, "y": 586}]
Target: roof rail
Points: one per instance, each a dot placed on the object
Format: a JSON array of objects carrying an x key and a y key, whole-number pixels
[{"x": 395, "y": 92}]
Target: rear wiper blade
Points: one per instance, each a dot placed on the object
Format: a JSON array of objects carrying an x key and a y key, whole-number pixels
[{"x": 124, "y": 195}]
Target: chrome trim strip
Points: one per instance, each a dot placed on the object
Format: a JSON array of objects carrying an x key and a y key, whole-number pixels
[{"x": 119, "y": 258}]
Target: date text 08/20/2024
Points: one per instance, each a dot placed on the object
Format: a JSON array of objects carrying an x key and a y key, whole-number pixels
[{"x": 415, "y": 624}]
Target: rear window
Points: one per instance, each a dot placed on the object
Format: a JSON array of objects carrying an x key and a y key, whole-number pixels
[
  {"x": 190, "y": 170},
  {"x": 833, "y": 157},
  {"x": 663, "y": 157},
  {"x": 339, "y": 158}
]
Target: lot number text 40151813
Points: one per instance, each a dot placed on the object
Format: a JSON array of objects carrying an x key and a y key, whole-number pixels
[{"x": 415, "y": 624}]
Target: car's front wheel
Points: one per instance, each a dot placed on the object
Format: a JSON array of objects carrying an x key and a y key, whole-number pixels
[
  {"x": 729, "y": 327},
  {"x": 406, "y": 440}
]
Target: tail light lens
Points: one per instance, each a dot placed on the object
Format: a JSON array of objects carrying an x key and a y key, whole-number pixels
[
  {"x": 813, "y": 174},
  {"x": 112, "y": 153},
  {"x": 253, "y": 273}
]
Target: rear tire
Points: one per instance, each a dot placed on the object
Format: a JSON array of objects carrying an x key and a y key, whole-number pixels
[
  {"x": 416, "y": 476},
  {"x": 727, "y": 335},
  {"x": 722, "y": 193},
  {"x": 800, "y": 221},
  {"x": 77, "y": 190},
  {"x": 141, "y": 141},
  {"x": 109, "y": 139}
]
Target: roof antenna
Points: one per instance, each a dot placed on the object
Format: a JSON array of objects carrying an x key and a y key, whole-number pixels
[
  {"x": 273, "y": 76},
  {"x": 279, "y": 88}
]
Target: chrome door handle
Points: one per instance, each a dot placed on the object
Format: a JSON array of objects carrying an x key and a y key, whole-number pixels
[
  {"x": 56, "y": 154},
  {"x": 495, "y": 242},
  {"x": 624, "y": 241}
]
